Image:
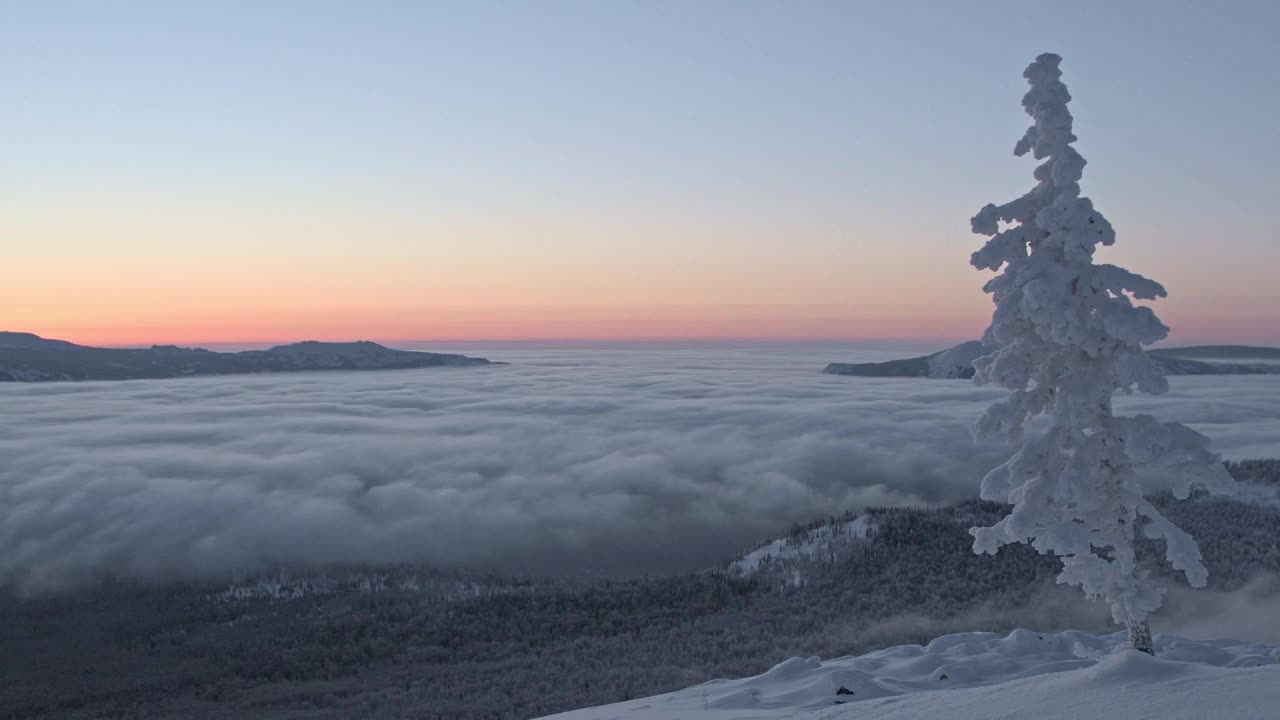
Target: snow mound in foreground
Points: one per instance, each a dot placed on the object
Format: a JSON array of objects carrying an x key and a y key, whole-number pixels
[{"x": 972, "y": 676}]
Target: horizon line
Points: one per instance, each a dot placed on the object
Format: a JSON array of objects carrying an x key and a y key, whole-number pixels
[{"x": 248, "y": 343}]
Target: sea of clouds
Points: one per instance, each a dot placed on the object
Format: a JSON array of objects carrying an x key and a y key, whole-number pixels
[{"x": 568, "y": 460}]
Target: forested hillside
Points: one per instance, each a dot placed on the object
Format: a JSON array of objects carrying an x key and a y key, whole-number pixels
[{"x": 409, "y": 642}]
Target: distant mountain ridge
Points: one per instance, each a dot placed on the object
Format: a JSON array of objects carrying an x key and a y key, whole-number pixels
[
  {"x": 957, "y": 362},
  {"x": 26, "y": 357},
  {"x": 1223, "y": 352}
]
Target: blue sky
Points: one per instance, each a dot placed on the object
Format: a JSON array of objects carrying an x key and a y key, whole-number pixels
[{"x": 759, "y": 166}]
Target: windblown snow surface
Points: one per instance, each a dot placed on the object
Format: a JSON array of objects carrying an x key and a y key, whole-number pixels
[{"x": 983, "y": 676}]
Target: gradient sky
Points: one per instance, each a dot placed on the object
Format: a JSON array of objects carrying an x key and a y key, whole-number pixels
[{"x": 271, "y": 171}]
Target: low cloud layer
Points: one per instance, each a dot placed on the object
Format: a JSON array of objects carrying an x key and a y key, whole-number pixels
[
  {"x": 1252, "y": 611},
  {"x": 565, "y": 461}
]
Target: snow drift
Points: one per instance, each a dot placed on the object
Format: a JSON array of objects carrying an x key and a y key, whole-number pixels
[{"x": 972, "y": 676}]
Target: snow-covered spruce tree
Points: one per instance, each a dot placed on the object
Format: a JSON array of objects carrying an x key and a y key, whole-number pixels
[{"x": 1067, "y": 336}]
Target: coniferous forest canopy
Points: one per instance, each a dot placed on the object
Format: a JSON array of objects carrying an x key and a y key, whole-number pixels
[{"x": 411, "y": 642}]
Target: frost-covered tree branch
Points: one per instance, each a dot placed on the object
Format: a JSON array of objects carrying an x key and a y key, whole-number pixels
[{"x": 1068, "y": 336}]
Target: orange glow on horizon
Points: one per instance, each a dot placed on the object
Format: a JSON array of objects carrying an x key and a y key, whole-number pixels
[
  {"x": 231, "y": 311},
  {"x": 566, "y": 324},
  {"x": 123, "y": 271},
  {"x": 518, "y": 324}
]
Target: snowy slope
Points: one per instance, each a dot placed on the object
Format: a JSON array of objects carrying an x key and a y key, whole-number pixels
[
  {"x": 983, "y": 676},
  {"x": 810, "y": 542},
  {"x": 956, "y": 362}
]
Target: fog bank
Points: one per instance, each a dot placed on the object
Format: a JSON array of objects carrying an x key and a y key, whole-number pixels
[{"x": 568, "y": 460}]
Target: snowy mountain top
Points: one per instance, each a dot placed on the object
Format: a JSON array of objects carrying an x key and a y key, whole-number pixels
[
  {"x": 956, "y": 362},
  {"x": 968, "y": 676},
  {"x": 806, "y": 543}
]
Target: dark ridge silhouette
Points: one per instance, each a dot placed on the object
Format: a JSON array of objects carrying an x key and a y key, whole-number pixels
[
  {"x": 25, "y": 357},
  {"x": 957, "y": 362}
]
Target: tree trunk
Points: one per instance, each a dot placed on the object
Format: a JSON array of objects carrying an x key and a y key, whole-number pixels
[{"x": 1140, "y": 637}]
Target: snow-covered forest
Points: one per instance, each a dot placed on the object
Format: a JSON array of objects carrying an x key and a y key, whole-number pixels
[{"x": 409, "y": 642}]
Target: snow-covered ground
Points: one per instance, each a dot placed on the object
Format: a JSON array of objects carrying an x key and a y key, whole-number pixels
[{"x": 982, "y": 676}]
